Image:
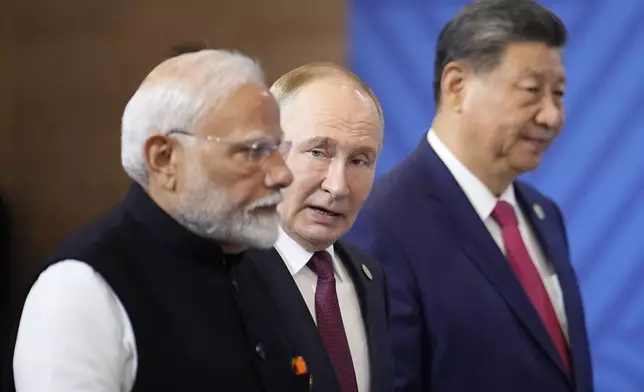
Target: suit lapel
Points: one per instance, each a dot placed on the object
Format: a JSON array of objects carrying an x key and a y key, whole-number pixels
[
  {"x": 483, "y": 251},
  {"x": 547, "y": 228},
  {"x": 299, "y": 325},
  {"x": 470, "y": 232},
  {"x": 368, "y": 300}
]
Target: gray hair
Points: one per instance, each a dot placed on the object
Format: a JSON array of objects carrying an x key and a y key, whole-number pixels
[
  {"x": 179, "y": 94},
  {"x": 480, "y": 33}
]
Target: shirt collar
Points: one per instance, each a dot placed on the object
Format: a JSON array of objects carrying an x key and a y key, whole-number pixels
[
  {"x": 295, "y": 257},
  {"x": 477, "y": 193}
]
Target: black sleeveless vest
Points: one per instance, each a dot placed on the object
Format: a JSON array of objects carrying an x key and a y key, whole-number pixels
[{"x": 202, "y": 320}]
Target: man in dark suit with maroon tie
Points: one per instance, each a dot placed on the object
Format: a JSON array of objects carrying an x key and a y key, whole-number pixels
[
  {"x": 483, "y": 295},
  {"x": 332, "y": 295}
]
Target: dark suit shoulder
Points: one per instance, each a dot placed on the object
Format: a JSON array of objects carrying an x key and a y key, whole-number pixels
[
  {"x": 357, "y": 255},
  {"x": 401, "y": 176},
  {"x": 395, "y": 195},
  {"x": 533, "y": 193},
  {"x": 96, "y": 235},
  {"x": 352, "y": 250}
]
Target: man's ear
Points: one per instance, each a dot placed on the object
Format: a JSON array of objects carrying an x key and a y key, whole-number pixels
[
  {"x": 161, "y": 155},
  {"x": 453, "y": 82}
]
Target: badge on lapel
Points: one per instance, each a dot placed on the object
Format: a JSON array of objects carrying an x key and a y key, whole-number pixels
[
  {"x": 539, "y": 211},
  {"x": 367, "y": 272}
]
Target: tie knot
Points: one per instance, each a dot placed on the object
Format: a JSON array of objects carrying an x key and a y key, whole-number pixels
[
  {"x": 321, "y": 264},
  {"x": 504, "y": 214}
]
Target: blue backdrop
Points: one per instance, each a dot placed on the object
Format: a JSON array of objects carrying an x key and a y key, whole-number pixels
[{"x": 595, "y": 169}]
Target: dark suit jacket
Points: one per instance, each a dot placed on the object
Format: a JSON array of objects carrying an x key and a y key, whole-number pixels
[
  {"x": 372, "y": 294},
  {"x": 460, "y": 319}
]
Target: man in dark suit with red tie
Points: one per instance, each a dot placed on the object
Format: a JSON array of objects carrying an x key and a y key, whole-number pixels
[
  {"x": 332, "y": 295},
  {"x": 483, "y": 295}
]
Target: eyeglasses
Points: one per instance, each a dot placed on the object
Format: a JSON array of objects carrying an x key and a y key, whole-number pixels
[{"x": 257, "y": 150}]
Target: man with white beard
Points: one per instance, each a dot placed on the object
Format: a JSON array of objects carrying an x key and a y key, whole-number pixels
[{"x": 153, "y": 296}]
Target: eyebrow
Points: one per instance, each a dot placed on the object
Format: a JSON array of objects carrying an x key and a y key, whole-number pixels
[
  {"x": 530, "y": 72},
  {"x": 329, "y": 142},
  {"x": 319, "y": 141},
  {"x": 367, "y": 150},
  {"x": 259, "y": 135}
]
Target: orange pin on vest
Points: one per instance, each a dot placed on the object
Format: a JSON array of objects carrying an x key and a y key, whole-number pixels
[{"x": 299, "y": 366}]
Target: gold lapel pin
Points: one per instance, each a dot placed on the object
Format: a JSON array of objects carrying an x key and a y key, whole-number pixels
[
  {"x": 539, "y": 211},
  {"x": 367, "y": 272}
]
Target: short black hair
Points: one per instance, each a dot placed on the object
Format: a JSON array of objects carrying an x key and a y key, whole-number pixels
[{"x": 482, "y": 30}]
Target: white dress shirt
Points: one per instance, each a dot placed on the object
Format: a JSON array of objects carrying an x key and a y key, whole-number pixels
[
  {"x": 484, "y": 202},
  {"x": 74, "y": 335},
  {"x": 295, "y": 257}
]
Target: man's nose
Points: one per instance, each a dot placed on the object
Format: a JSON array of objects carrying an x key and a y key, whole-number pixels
[
  {"x": 335, "y": 181},
  {"x": 278, "y": 175}
]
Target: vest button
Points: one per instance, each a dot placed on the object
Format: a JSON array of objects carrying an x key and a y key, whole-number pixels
[{"x": 259, "y": 350}]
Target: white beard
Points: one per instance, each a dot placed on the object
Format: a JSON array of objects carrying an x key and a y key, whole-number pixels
[{"x": 205, "y": 209}]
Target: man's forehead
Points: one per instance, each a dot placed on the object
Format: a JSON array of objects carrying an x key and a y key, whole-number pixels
[
  {"x": 327, "y": 91},
  {"x": 533, "y": 53},
  {"x": 557, "y": 73},
  {"x": 322, "y": 122},
  {"x": 249, "y": 101},
  {"x": 337, "y": 104},
  {"x": 329, "y": 105},
  {"x": 258, "y": 119}
]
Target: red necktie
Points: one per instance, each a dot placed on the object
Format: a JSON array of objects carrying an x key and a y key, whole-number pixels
[
  {"x": 329, "y": 321},
  {"x": 528, "y": 275}
]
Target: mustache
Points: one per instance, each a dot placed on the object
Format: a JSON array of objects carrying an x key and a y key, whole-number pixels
[{"x": 267, "y": 201}]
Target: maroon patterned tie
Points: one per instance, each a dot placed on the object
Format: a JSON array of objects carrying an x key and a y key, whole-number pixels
[
  {"x": 528, "y": 275},
  {"x": 329, "y": 320}
]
